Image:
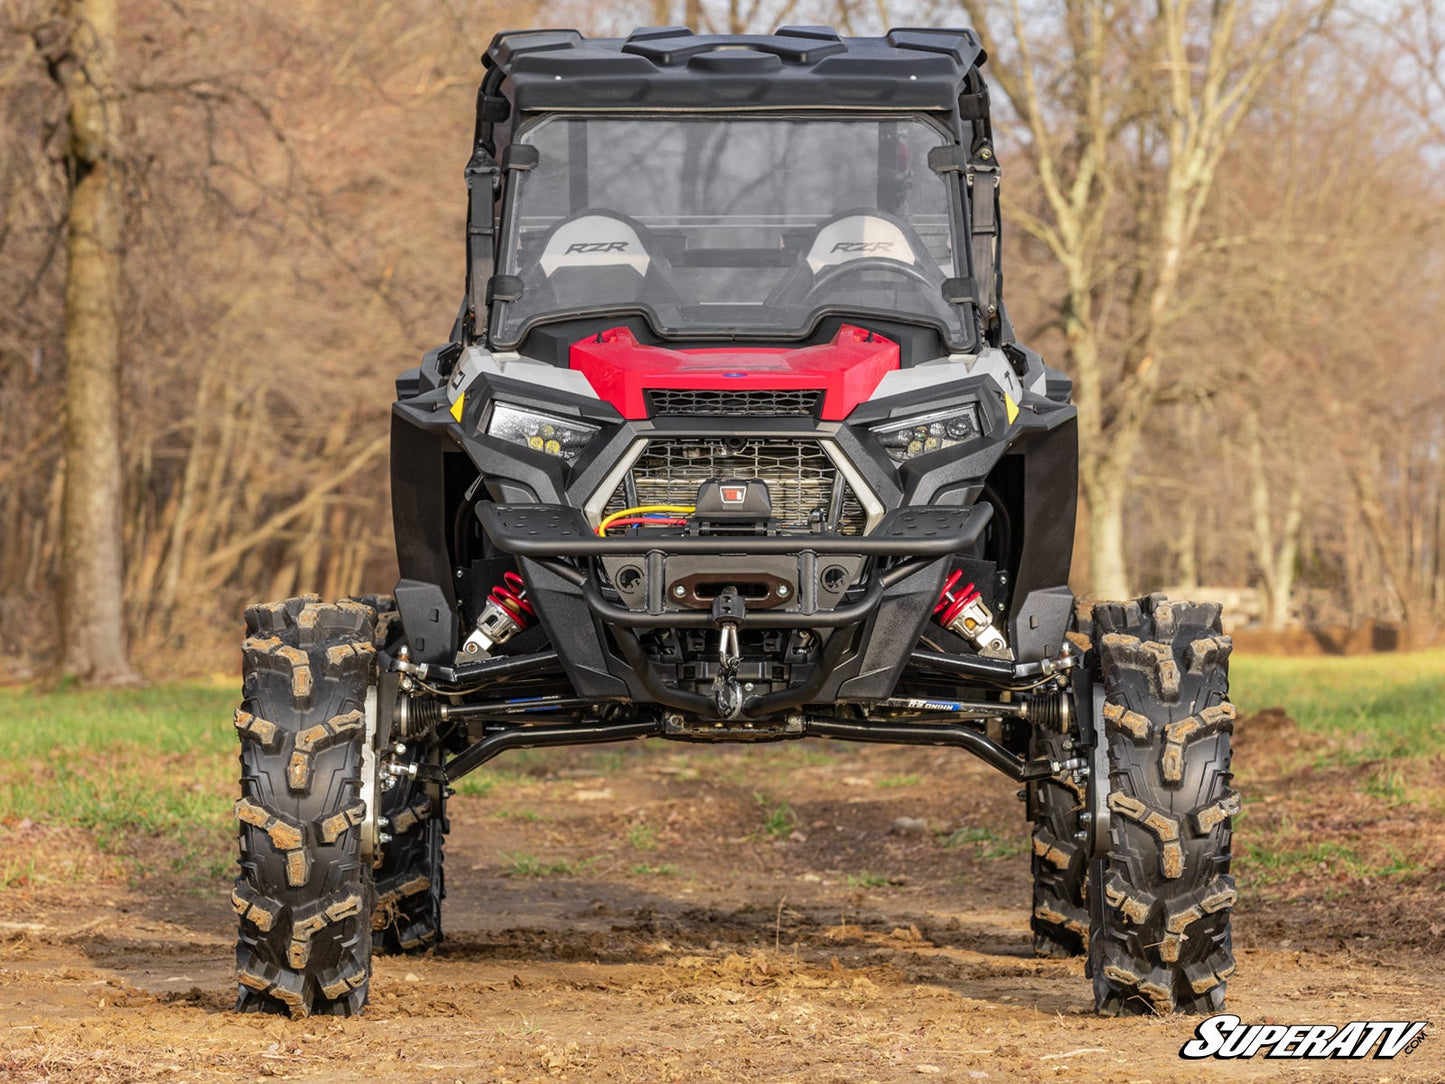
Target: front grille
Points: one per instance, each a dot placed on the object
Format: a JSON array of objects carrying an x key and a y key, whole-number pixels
[
  {"x": 759, "y": 404},
  {"x": 799, "y": 474}
]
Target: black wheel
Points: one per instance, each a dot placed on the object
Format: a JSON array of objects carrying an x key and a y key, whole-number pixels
[
  {"x": 408, "y": 873},
  {"x": 1163, "y": 896},
  {"x": 1060, "y": 916},
  {"x": 303, "y": 895},
  {"x": 409, "y": 886}
]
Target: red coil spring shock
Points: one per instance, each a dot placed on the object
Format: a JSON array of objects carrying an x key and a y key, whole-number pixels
[
  {"x": 511, "y": 595},
  {"x": 951, "y": 604}
]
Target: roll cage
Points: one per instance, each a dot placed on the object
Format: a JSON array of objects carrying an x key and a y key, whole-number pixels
[{"x": 672, "y": 71}]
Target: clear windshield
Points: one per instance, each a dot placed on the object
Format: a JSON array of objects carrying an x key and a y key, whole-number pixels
[{"x": 731, "y": 225}]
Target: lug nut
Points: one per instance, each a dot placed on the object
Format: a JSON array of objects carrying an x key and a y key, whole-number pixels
[
  {"x": 784, "y": 590},
  {"x": 679, "y": 591}
]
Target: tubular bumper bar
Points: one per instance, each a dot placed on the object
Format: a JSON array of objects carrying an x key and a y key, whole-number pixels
[{"x": 555, "y": 530}]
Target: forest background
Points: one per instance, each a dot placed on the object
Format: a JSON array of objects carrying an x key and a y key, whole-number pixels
[{"x": 1223, "y": 219}]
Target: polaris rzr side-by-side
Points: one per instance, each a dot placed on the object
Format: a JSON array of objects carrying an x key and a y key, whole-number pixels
[{"x": 733, "y": 441}]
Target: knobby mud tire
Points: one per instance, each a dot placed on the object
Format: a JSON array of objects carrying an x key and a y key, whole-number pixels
[
  {"x": 1163, "y": 896},
  {"x": 303, "y": 897},
  {"x": 1060, "y": 915}
]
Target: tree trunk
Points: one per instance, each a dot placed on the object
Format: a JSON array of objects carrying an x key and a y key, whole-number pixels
[
  {"x": 1275, "y": 557},
  {"x": 91, "y": 579},
  {"x": 1108, "y": 573}
]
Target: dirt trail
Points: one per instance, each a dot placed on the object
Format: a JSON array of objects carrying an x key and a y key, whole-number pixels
[{"x": 682, "y": 924}]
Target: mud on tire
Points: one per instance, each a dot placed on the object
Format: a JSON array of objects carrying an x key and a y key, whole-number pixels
[
  {"x": 1163, "y": 896},
  {"x": 303, "y": 896}
]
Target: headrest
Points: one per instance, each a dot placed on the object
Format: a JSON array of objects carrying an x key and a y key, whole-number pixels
[
  {"x": 594, "y": 241},
  {"x": 855, "y": 236}
]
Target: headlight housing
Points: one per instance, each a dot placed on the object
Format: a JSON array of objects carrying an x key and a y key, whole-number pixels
[
  {"x": 561, "y": 437},
  {"x": 931, "y": 432}
]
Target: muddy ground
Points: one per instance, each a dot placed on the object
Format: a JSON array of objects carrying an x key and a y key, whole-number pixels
[{"x": 659, "y": 914}]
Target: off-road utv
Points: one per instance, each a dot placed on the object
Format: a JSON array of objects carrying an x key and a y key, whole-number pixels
[{"x": 733, "y": 441}]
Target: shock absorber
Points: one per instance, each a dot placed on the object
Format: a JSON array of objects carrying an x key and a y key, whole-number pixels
[
  {"x": 964, "y": 611},
  {"x": 505, "y": 613}
]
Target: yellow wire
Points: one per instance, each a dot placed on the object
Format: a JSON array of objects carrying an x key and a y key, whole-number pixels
[{"x": 641, "y": 510}]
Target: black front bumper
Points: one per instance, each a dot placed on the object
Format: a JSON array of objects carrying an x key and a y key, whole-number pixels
[{"x": 864, "y": 632}]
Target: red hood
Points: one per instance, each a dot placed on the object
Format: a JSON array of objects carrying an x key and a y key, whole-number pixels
[{"x": 846, "y": 370}]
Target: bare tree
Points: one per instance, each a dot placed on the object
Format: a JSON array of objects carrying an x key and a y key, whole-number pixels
[
  {"x": 81, "y": 55},
  {"x": 1416, "y": 30},
  {"x": 1126, "y": 112}
]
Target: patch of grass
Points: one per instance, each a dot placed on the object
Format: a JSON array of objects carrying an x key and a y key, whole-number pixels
[
  {"x": 124, "y": 764},
  {"x": 666, "y": 869},
  {"x": 780, "y": 819},
  {"x": 642, "y": 837},
  {"x": 908, "y": 779},
  {"x": 608, "y": 763},
  {"x": 866, "y": 880},
  {"x": 17, "y": 870},
  {"x": 517, "y": 815},
  {"x": 990, "y": 844},
  {"x": 807, "y": 755},
  {"x": 1374, "y": 706},
  {"x": 1388, "y": 784},
  {"x": 1267, "y": 864},
  {"x": 529, "y": 865},
  {"x": 1263, "y": 864},
  {"x": 482, "y": 782}
]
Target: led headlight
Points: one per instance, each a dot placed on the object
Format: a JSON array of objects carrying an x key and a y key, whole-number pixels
[
  {"x": 929, "y": 432},
  {"x": 563, "y": 437}
]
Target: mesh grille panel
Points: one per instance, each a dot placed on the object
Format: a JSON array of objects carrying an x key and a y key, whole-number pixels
[
  {"x": 766, "y": 404},
  {"x": 799, "y": 474}
]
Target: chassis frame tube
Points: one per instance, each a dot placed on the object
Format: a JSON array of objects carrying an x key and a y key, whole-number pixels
[
  {"x": 919, "y": 732},
  {"x": 475, "y": 674},
  {"x": 996, "y": 670},
  {"x": 536, "y": 737},
  {"x": 913, "y": 732}
]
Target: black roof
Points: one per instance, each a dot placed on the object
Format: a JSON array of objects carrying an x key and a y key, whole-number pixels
[{"x": 673, "y": 68}]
